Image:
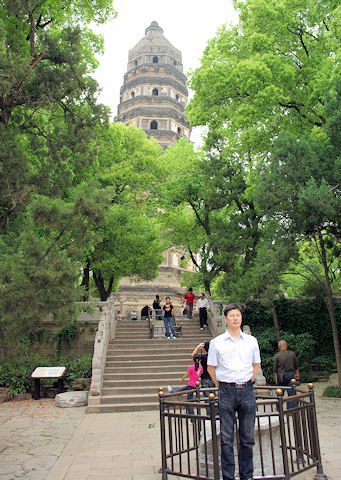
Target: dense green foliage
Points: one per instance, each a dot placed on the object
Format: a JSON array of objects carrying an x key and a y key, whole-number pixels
[
  {"x": 80, "y": 367},
  {"x": 303, "y": 344},
  {"x": 303, "y": 324},
  {"x": 73, "y": 191},
  {"x": 332, "y": 392},
  {"x": 297, "y": 317},
  {"x": 268, "y": 92},
  {"x": 14, "y": 373}
]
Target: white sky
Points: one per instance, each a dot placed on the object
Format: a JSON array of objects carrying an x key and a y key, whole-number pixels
[{"x": 187, "y": 24}]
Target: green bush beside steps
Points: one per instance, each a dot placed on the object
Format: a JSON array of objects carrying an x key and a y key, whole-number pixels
[
  {"x": 13, "y": 374},
  {"x": 332, "y": 391}
]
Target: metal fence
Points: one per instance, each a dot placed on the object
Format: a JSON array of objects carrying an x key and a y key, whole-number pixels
[{"x": 286, "y": 436}]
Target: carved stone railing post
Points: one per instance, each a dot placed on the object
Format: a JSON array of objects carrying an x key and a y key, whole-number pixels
[
  {"x": 215, "y": 317},
  {"x": 105, "y": 332}
]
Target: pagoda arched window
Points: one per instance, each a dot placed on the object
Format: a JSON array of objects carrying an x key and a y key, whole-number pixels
[
  {"x": 155, "y": 59},
  {"x": 155, "y": 91},
  {"x": 153, "y": 125}
]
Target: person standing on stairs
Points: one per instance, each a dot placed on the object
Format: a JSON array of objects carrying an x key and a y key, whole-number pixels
[
  {"x": 189, "y": 299},
  {"x": 157, "y": 308},
  {"x": 202, "y": 307},
  {"x": 206, "y": 380},
  {"x": 194, "y": 371},
  {"x": 168, "y": 318}
]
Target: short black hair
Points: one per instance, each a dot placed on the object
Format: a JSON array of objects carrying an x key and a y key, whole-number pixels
[
  {"x": 190, "y": 289},
  {"x": 232, "y": 306}
]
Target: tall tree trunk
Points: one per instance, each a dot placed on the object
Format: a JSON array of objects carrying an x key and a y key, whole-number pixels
[
  {"x": 275, "y": 319},
  {"x": 207, "y": 285},
  {"x": 99, "y": 281},
  {"x": 331, "y": 308},
  {"x": 86, "y": 280}
]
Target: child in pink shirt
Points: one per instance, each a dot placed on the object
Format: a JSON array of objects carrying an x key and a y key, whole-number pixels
[{"x": 193, "y": 371}]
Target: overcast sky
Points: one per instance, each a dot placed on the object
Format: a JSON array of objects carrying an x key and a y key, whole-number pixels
[{"x": 187, "y": 24}]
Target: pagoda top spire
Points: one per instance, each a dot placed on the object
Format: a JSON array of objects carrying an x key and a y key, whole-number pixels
[{"x": 153, "y": 26}]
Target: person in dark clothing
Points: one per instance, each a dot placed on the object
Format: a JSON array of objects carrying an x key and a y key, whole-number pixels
[
  {"x": 285, "y": 367},
  {"x": 157, "y": 308},
  {"x": 202, "y": 307},
  {"x": 168, "y": 317},
  {"x": 145, "y": 312},
  {"x": 206, "y": 380}
]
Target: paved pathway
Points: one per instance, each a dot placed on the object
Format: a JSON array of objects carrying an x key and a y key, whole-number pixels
[{"x": 41, "y": 442}]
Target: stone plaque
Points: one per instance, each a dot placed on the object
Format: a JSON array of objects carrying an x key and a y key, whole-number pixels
[{"x": 48, "y": 372}]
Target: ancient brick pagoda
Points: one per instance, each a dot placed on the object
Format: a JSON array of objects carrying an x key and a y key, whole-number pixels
[{"x": 154, "y": 94}]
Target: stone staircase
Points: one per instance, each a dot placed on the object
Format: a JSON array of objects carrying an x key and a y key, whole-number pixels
[{"x": 136, "y": 365}]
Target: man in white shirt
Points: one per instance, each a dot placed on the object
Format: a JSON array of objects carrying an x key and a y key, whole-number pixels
[
  {"x": 202, "y": 307},
  {"x": 233, "y": 362}
]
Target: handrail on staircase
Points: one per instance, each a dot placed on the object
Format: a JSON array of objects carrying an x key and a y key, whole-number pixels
[{"x": 106, "y": 330}]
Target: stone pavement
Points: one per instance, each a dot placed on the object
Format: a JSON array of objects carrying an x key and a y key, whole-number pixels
[
  {"x": 41, "y": 442},
  {"x": 33, "y": 434}
]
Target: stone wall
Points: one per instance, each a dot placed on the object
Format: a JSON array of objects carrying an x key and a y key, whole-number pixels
[{"x": 46, "y": 342}]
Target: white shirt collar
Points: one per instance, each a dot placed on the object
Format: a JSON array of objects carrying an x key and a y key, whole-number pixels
[{"x": 227, "y": 335}]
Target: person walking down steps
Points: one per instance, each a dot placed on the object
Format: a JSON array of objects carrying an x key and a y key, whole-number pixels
[
  {"x": 189, "y": 300},
  {"x": 202, "y": 307},
  {"x": 193, "y": 371},
  {"x": 168, "y": 317}
]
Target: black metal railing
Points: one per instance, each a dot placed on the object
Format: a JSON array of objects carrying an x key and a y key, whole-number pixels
[{"x": 286, "y": 434}]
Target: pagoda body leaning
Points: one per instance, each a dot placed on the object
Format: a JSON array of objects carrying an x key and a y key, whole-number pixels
[
  {"x": 153, "y": 97},
  {"x": 154, "y": 94}
]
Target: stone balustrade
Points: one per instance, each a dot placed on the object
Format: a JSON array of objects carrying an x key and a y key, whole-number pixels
[{"x": 105, "y": 332}]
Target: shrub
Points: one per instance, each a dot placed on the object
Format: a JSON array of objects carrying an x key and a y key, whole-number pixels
[
  {"x": 302, "y": 345},
  {"x": 14, "y": 377},
  {"x": 332, "y": 391},
  {"x": 13, "y": 374},
  {"x": 81, "y": 367},
  {"x": 67, "y": 334}
]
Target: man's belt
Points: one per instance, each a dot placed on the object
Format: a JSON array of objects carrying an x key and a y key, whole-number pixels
[{"x": 238, "y": 385}]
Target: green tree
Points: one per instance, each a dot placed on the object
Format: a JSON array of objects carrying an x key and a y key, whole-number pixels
[
  {"x": 300, "y": 187},
  {"x": 50, "y": 124},
  {"x": 129, "y": 239},
  {"x": 268, "y": 75}
]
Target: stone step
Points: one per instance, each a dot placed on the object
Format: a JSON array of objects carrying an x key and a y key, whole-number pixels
[
  {"x": 142, "y": 369},
  {"x": 117, "y": 363},
  {"x": 155, "y": 341},
  {"x": 130, "y": 398},
  {"x": 112, "y": 374},
  {"x": 137, "y": 390},
  {"x": 149, "y": 382},
  {"x": 165, "y": 356},
  {"x": 149, "y": 349},
  {"x": 123, "y": 407},
  {"x": 146, "y": 333},
  {"x": 136, "y": 365}
]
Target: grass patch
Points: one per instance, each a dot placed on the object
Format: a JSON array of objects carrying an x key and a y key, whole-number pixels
[{"x": 332, "y": 392}]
